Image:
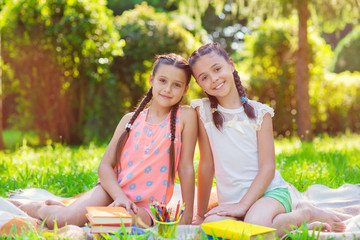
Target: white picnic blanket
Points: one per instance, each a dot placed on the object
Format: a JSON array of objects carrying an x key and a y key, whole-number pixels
[
  {"x": 346, "y": 196},
  {"x": 321, "y": 196}
]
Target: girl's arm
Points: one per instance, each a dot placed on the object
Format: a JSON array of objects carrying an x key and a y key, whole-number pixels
[
  {"x": 267, "y": 164},
  {"x": 266, "y": 155},
  {"x": 186, "y": 165},
  {"x": 106, "y": 172},
  {"x": 205, "y": 172}
]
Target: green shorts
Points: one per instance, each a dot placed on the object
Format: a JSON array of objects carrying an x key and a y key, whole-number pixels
[{"x": 282, "y": 195}]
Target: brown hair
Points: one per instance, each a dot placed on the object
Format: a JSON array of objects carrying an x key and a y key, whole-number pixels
[
  {"x": 168, "y": 59},
  {"x": 217, "y": 116}
]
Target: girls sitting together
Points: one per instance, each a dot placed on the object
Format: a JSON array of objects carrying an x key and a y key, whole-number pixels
[{"x": 156, "y": 143}]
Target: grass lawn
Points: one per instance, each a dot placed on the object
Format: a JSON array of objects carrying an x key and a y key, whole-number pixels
[{"x": 67, "y": 171}]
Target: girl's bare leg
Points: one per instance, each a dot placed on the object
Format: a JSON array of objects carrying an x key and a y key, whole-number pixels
[
  {"x": 73, "y": 214},
  {"x": 270, "y": 212}
]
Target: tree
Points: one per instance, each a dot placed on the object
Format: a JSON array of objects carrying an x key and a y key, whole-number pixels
[
  {"x": 327, "y": 14},
  {"x": 60, "y": 52}
]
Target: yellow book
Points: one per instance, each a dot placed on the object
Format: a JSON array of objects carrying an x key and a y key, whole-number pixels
[{"x": 231, "y": 229}]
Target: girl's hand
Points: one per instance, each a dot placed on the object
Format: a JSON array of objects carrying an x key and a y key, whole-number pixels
[
  {"x": 232, "y": 210},
  {"x": 124, "y": 202},
  {"x": 197, "y": 220}
]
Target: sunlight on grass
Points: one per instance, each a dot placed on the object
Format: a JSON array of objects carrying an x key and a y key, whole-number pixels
[
  {"x": 332, "y": 161},
  {"x": 61, "y": 169},
  {"x": 68, "y": 171}
]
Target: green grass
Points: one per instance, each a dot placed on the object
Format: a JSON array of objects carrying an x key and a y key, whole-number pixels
[
  {"x": 62, "y": 170},
  {"x": 67, "y": 171},
  {"x": 329, "y": 161}
]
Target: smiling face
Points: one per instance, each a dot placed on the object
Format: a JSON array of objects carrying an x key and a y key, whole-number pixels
[
  {"x": 169, "y": 85},
  {"x": 214, "y": 75}
]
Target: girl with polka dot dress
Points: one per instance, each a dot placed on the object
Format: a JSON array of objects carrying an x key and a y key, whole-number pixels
[{"x": 149, "y": 148}]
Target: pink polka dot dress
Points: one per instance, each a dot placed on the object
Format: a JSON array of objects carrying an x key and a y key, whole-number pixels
[{"x": 145, "y": 161}]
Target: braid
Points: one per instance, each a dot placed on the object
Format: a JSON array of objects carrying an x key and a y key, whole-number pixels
[
  {"x": 217, "y": 116},
  {"x": 172, "y": 138},
  {"x": 249, "y": 110},
  {"x": 125, "y": 135}
]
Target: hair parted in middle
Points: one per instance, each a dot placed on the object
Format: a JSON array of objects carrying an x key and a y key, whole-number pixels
[
  {"x": 217, "y": 116},
  {"x": 171, "y": 60}
]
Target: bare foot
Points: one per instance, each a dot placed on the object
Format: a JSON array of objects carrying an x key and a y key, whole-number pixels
[
  {"x": 54, "y": 202},
  {"x": 318, "y": 214},
  {"x": 325, "y": 227},
  {"x": 32, "y": 208}
]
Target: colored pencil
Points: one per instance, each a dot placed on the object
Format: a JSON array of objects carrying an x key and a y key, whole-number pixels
[{"x": 163, "y": 214}]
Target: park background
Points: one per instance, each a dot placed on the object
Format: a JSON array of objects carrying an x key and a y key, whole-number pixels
[{"x": 70, "y": 69}]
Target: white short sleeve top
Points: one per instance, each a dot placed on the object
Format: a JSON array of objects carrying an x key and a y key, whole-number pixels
[{"x": 235, "y": 149}]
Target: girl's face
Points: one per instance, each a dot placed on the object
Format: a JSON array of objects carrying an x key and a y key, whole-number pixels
[
  {"x": 214, "y": 74},
  {"x": 169, "y": 85}
]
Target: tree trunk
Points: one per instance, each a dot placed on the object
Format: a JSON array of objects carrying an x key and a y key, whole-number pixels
[
  {"x": 302, "y": 74},
  {"x": 2, "y": 145}
]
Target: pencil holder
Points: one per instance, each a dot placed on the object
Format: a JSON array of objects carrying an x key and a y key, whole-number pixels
[{"x": 167, "y": 229}]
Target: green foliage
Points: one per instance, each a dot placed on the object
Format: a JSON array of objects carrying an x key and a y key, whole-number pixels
[
  {"x": 270, "y": 60},
  {"x": 60, "y": 52},
  {"x": 270, "y": 55},
  {"x": 335, "y": 102},
  {"x": 14, "y": 139},
  {"x": 146, "y": 33},
  {"x": 346, "y": 53}
]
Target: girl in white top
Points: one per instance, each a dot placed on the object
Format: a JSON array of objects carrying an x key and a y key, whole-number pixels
[{"x": 236, "y": 143}]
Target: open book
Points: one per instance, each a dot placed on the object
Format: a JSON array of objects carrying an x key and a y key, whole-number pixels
[
  {"x": 108, "y": 215},
  {"x": 231, "y": 229}
]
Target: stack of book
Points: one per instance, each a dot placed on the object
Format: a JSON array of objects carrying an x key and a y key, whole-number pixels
[{"x": 104, "y": 220}]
